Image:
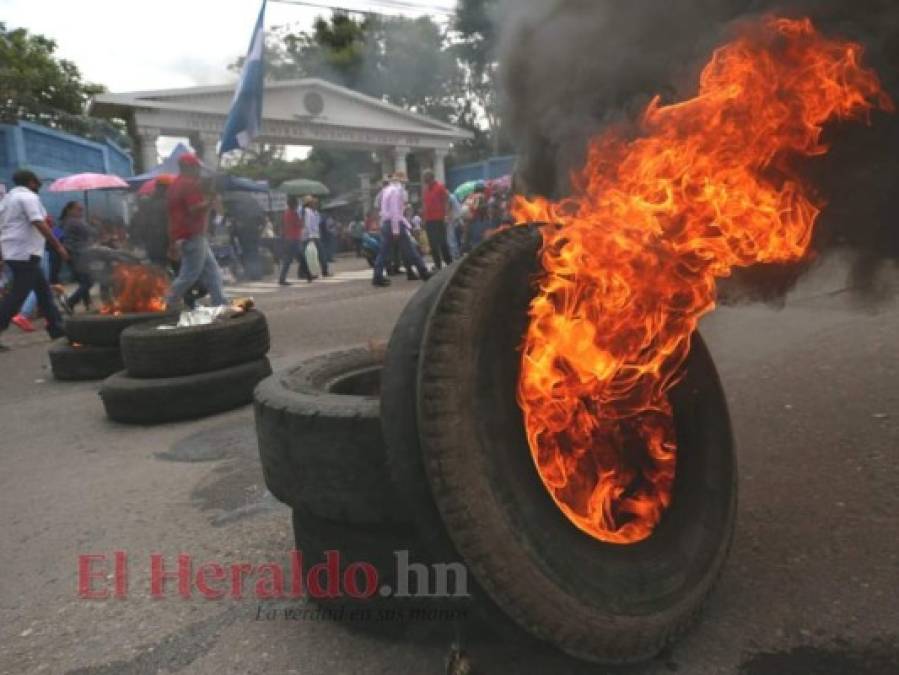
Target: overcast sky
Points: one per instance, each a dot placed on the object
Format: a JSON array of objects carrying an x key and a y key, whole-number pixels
[{"x": 130, "y": 45}]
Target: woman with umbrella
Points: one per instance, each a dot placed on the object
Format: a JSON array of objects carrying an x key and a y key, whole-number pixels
[{"x": 78, "y": 236}]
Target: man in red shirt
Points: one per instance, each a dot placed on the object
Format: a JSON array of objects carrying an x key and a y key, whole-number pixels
[
  {"x": 435, "y": 198},
  {"x": 292, "y": 236},
  {"x": 188, "y": 206}
]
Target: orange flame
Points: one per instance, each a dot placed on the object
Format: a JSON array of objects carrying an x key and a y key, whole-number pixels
[
  {"x": 653, "y": 221},
  {"x": 137, "y": 288}
]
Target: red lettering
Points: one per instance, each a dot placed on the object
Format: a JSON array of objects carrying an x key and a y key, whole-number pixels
[
  {"x": 210, "y": 572},
  {"x": 331, "y": 568},
  {"x": 369, "y": 574},
  {"x": 296, "y": 574},
  {"x": 238, "y": 571},
  {"x": 158, "y": 576},
  {"x": 86, "y": 576},
  {"x": 121, "y": 575},
  {"x": 270, "y": 584}
]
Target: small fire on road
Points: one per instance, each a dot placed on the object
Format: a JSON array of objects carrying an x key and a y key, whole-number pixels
[
  {"x": 136, "y": 288},
  {"x": 656, "y": 217}
]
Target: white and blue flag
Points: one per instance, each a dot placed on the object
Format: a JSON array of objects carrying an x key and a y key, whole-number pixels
[{"x": 245, "y": 117}]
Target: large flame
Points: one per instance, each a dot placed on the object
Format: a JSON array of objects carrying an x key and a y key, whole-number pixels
[
  {"x": 136, "y": 288},
  {"x": 705, "y": 186}
]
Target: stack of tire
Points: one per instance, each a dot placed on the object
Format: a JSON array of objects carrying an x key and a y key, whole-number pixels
[
  {"x": 91, "y": 349},
  {"x": 440, "y": 464},
  {"x": 181, "y": 373}
]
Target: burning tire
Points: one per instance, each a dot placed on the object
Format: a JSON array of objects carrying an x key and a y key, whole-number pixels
[
  {"x": 320, "y": 439},
  {"x": 602, "y": 602},
  {"x": 83, "y": 362},
  {"x": 104, "y": 330},
  {"x": 171, "y": 399},
  {"x": 150, "y": 352}
]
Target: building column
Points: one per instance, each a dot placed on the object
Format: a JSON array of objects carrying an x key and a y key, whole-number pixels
[
  {"x": 400, "y": 153},
  {"x": 207, "y": 142},
  {"x": 440, "y": 165},
  {"x": 365, "y": 184},
  {"x": 386, "y": 158},
  {"x": 146, "y": 139}
]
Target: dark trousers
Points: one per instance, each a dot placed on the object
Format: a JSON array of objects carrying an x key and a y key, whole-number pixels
[
  {"x": 83, "y": 292},
  {"x": 294, "y": 250},
  {"x": 85, "y": 283},
  {"x": 404, "y": 242},
  {"x": 28, "y": 277},
  {"x": 440, "y": 250}
]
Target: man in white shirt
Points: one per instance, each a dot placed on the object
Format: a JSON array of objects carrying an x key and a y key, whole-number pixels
[
  {"x": 23, "y": 233},
  {"x": 312, "y": 222}
]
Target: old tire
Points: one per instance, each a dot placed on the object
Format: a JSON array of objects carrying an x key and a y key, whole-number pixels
[
  {"x": 103, "y": 330},
  {"x": 320, "y": 439},
  {"x": 170, "y": 399},
  {"x": 148, "y": 351},
  {"x": 600, "y": 602},
  {"x": 70, "y": 363},
  {"x": 399, "y": 422}
]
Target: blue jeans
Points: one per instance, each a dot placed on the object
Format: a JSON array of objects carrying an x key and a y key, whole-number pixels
[
  {"x": 28, "y": 309},
  {"x": 409, "y": 252},
  {"x": 197, "y": 264}
]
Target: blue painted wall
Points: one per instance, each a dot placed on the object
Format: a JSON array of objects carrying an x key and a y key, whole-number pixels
[
  {"x": 53, "y": 154},
  {"x": 495, "y": 167}
]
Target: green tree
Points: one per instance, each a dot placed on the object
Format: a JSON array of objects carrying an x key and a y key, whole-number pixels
[
  {"x": 476, "y": 36},
  {"x": 38, "y": 87}
]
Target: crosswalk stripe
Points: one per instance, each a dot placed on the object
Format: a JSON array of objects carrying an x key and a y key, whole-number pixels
[
  {"x": 250, "y": 291},
  {"x": 272, "y": 287}
]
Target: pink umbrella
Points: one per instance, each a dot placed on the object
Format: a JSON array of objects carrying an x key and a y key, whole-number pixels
[{"x": 81, "y": 182}]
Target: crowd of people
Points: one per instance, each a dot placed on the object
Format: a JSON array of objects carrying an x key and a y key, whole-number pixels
[
  {"x": 445, "y": 225},
  {"x": 187, "y": 229}
]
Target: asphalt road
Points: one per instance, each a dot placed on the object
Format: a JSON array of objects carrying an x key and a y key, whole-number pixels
[{"x": 811, "y": 586}]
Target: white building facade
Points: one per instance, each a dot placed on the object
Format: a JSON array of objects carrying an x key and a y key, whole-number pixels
[{"x": 310, "y": 112}]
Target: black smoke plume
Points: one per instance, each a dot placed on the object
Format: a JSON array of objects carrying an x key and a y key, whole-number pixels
[{"x": 569, "y": 68}]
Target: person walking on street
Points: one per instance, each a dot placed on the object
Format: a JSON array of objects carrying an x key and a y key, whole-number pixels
[
  {"x": 292, "y": 235},
  {"x": 435, "y": 198},
  {"x": 188, "y": 208},
  {"x": 326, "y": 229},
  {"x": 357, "y": 231},
  {"x": 478, "y": 224},
  {"x": 23, "y": 231},
  {"x": 456, "y": 226},
  {"x": 395, "y": 227},
  {"x": 312, "y": 222},
  {"x": 78, "y": 236}
]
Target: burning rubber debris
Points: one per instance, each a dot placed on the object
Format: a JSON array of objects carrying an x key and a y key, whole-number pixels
[
  {"x": 708, "y": 185},
  {"x": 136, "y": 289}
]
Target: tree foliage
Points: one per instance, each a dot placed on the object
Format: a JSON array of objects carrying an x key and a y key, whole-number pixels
[
  {"x": 446, "y": 73},
  {"x": 36, "y": 86}
]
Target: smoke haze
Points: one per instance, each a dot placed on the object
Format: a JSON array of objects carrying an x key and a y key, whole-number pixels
[{"x": 570, "y": 68}]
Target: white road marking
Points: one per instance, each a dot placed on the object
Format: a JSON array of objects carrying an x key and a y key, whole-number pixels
[{"x": 266, "y": 287}]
